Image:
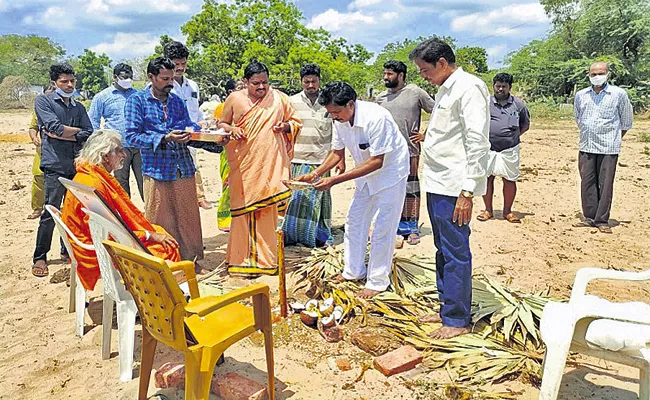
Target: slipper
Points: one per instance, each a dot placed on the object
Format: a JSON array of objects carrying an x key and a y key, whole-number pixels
[
  {"x": 484, "y": 215},
  {"x": 399, "y": 242},
  {"x": 604, "y": 229},
  {"x": 39, "y": 269},
  {"x": 583, "y": 224},
  {"x": 512, "y": 218},
  {"x": 413, "y": 239},
  {"x": 35, "y": 214}
]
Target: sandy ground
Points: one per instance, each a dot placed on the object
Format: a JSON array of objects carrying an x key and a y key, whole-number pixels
[{"x": 42, "y": 358}]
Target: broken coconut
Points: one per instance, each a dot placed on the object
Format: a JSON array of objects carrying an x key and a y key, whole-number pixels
[
  {"x": 297, "y": 307},
  {"x": 328, "y": 321},
  {"x": 338, "y": 314},
  {"x": 309, "y": 316},
  {"x": 327, "y": 307}
]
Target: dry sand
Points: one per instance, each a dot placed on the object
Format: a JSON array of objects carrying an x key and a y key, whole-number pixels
[{"x": 42, "y": 358}]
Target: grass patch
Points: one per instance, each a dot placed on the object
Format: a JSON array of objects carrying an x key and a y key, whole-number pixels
[{"x": 644, "y": 137}]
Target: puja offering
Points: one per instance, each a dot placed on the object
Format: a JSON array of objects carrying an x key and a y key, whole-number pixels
[{"x": 209, "y": 135}]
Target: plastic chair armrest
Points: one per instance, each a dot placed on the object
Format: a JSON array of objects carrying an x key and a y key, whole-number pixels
[
  {"x": 187, "y": 267},
  {"x": 586, "y": 275},
  {"x": 586, "y": 310},
  {"x": 205, "y": 305}
]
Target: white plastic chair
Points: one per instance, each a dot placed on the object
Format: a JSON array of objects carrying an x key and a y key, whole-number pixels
[
  {"x": 77, "y": 292},
  {"x": 114, "y": 292},
  {"x": 617, "y": 332}
]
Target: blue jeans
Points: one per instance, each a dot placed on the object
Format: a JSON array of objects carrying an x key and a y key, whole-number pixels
[{"x": 453, "y": 261}]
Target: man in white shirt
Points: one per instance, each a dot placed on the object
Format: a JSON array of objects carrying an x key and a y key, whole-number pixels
[
  {"x": 604, "y": 115},
  {"x": 455, "y": 153},
  {"x": 381, "y": 160},
  {"x": 188, "y": 90}
]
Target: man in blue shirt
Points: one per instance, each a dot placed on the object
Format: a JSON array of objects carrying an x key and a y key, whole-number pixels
[
  {"x": 156, "y": 121},
  {"x": 109, "y": 104}
]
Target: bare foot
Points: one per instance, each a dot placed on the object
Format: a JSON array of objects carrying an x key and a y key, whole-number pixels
[
  {"x": 338, "y": 279},
  {"x": 204, "y": 204},
  {"x": 448, "y": 332},
  {"x": 431, "y": 319},
  {"x": 367, "y": 293},
  {"x": 199, "y": 270}
]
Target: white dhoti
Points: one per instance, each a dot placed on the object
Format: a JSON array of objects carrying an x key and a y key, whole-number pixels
[
  {"x": 386, "y": 205},
  {"x": 504, "y": 163}
]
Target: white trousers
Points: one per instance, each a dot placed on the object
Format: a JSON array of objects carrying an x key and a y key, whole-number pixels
[{"x": 385, "y": 207}]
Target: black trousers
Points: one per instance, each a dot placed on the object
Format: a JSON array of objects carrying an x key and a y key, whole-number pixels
[
  {"x": 597, "y": 187},
  {"x": 54, "y": 194},
  {"x": 133, "y": 161}
]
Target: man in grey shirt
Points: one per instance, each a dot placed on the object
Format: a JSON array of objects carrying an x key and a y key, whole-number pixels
[
  {"x": 64, "y": 126},
  {"x": 509, "y": 119},
  {"x": 405, "y": 103}
]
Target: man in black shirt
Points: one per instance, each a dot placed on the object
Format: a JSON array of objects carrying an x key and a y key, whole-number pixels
[{"x": 64, "y": 127}]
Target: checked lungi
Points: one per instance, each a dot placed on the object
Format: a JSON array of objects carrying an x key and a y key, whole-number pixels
[
  {"x": 409, "y": 221},
  {"x": 308, "y": 218}
]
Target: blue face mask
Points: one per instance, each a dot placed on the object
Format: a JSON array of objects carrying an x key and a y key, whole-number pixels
[{"x": 64, "y": 94}]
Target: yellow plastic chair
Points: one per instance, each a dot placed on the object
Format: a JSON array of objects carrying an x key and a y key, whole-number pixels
[{"x": 202, "y": 329}]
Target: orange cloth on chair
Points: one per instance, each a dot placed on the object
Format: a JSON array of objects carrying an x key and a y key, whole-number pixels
[
  {"x": 118, "y": 200},
  {"x": 258, "y": 165}
]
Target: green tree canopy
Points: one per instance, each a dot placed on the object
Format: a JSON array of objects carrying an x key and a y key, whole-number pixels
[
  {"x": 93, "y": 72},
  {"x": 617, "y": 32},
  {"x": 224, "y": 38},
  {"x": 29, "y": 57}
]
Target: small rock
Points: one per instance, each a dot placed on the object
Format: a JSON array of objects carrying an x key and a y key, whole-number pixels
[
  {"x": 231, "y": 386},
  {"x": 397, "y": 361},
  {"x": 343, "y": 363},
  {"x": 371, "y": 342}
]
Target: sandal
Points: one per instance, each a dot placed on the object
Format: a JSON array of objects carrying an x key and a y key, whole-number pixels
[
  {"x": 35, "y": 214},
  {"x": 512, "y": 218},
  {"x": 413, "y": 239},
  {"x": 39, "y": 269},
  {"x": 484, "y": 215}
]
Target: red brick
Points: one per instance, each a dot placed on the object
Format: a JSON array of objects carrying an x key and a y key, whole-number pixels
[
  {"x": 398, "y": 361},
  {"x": 170, "y": 375},
  {"x": 343, "y": 363},
  {"x": 231, "y": 386}
]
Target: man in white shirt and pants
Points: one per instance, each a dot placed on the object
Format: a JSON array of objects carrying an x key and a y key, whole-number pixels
[
  {"x": 455, "y": 153},
  {"x": 381, "y": 160}
]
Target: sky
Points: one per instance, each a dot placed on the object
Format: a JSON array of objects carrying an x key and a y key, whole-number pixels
[{"x": 124, "y": 29}]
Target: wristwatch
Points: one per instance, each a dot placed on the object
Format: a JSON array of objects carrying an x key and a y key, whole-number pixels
[{"x": 467, "y": 194}]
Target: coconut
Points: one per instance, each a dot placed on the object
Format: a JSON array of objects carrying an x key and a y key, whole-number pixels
[
  {"x": 309, "y": 318},
  {"x": 311, "y": 305},
  {"x": 297, "y": 307},
  {"x": 327, "y": 307},
  {"x": 328, "y": 321},
  {"x": 338, "y": 314}
]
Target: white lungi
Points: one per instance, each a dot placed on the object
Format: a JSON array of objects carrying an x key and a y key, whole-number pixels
[
  {"x": 504, "y": 163},
  {"x": 386, "y": 205}
]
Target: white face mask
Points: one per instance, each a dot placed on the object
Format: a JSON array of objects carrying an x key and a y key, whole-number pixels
[
  {"x": 125, "y": 83},
  {"x": 598, "y": 80},
  {"x": 64, "y": 94}
]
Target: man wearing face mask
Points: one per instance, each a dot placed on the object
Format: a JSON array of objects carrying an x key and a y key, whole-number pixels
[
  {"x": 405, "y": 103},
  {"x": 64, "y": 126},
  {"x": 604, "y": 114},
  {"x": 155, "y": 122},
  {"x": 109, "y": 104}
]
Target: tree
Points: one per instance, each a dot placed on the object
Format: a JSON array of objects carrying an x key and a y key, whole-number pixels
[
  {"x": 584, "y": 31},
  {"x": 224, "y": 38},
  {"x": 472, "y": 59},
  {"x": 93, "y": 72},
  {"x": 29, "y": 57},
  {"x": 15, "y": 93}
]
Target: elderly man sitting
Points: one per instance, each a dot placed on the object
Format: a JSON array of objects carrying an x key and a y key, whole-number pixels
[{"x": 102, "y": 154}]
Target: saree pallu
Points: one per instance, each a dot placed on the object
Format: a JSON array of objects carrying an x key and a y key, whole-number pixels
[
  {"x": 223, "y": 210},
  {"x": 409, "y": 221},
  {"x": 308, "y": 218},
  {"x": 258, "y": 165}
]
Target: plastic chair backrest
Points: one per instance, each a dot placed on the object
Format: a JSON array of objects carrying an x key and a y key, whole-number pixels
[
  {"x": 160, "y": 301},
  {"x": 100, "y": 230},
  {"x": 65, "y": 233}
]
